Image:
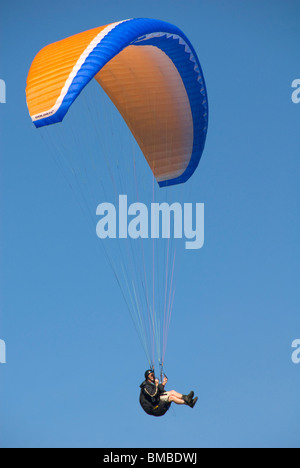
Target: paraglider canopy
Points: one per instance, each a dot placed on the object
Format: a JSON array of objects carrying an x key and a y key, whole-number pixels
[{"x": 152, "y": 74}]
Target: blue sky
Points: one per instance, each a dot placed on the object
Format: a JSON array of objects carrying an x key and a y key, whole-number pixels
[{"x": 74, "y": 363}]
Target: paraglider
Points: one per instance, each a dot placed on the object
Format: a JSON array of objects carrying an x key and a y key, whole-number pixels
[
  {"x": 156, "y": 401},
  {"x": 150, "y": 71}
]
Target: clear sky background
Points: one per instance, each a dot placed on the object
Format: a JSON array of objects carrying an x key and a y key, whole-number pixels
[{"x": 74, "y": 363}]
